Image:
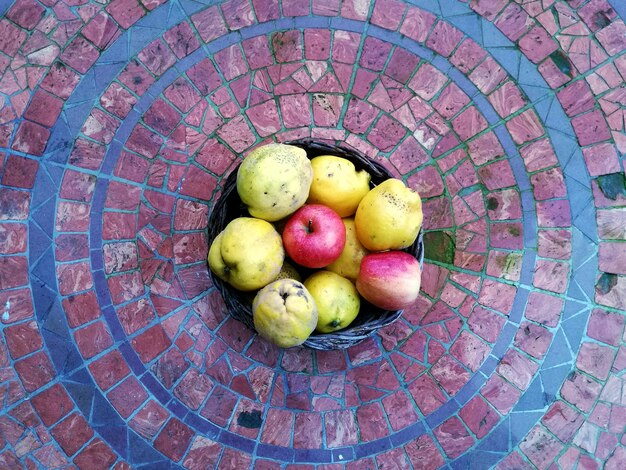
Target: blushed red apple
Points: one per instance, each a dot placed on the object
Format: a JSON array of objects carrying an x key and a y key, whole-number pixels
[
  {"x": 314, "y": 236},
  {"x": 389, "y": 280}
]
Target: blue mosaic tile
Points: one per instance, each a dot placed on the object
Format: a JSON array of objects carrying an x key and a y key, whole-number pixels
[
  {"x": 283, "y": 454},
  {"x": 45, "y": 270},
  {"x": 152, "y": 384},
  {"x": 139, "y": 452},
  {"x": 488, "y": 366},
  {"x": 470, "y": 389},
  {"x": 486, "y": 109},
  {"x": 177, "y": 408},
  {"x": 574, "y": 327},
  {"x": 115, "y": 327},
  {"x": 133, "y": 361},
  {"x": 202, "y": 425},
  {"x": 373, "y": 447},
  {"x": 313, "y": 455},
  {"x": 344, "y": 454},
  {"x": 533, "y": 398},
  {"x": 498, "y": 439},
  {"x": 44, "y": 216},
  {"x": 442, "y": 413},
  {"x": 504, "y": 341},
  {"x": 239, "y": 442},
  {"x": 82, "y": 394},
  {"x": 522, "y": 422},
  {"x": 101, "y": 288},
  {"x": 493, "y": 38},
  {"x": 554, "y": 377},
  {"x": 508, "y": 59},
  {"x": 559, "y": 351},
  {"x": 103, "y": 413},
  {"x": 38, "y": 242},
  {"x": 405, "y": 435}
]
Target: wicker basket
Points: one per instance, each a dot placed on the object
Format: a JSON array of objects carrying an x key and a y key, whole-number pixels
[{"x": 239, "y": 304}]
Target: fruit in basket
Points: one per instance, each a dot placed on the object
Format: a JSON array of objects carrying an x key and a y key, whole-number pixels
[
  {"x": 314, "y": 236},
  {"x": 337, "y": 300},
  {"x": 390, "y": 280},
  {"x": 273, "y": 181},
  {"x": 288, "y": 271},
  {"x": 349, "y": 262},
  {"x": 338, "y": 184},
  {"x": 284, "y": 313},
  {"x": 248, "y": 253},
  {"x": 389, "y": 216}
]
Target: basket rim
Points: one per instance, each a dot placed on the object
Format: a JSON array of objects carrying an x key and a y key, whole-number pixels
[{"x": 242, "y": 311}]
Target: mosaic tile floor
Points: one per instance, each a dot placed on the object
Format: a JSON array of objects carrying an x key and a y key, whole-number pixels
[{"x": 118, "y": 123}]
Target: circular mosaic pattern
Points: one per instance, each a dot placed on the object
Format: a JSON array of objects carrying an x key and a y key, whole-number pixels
[{"x": 514, "y": 353}]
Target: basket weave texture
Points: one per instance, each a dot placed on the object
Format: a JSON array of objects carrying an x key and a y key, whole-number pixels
[{"x": 239, "y": 304}]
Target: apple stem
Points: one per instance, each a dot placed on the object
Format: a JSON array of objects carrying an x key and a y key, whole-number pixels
[{"x": 310, "y": 226}]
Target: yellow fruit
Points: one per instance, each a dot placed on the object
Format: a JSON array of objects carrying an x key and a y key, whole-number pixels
[
  {"x": 248, "y": 253},
  {"x": 284, "y": 313},
  {"x": 389, "y": 217},
  {"x": 349, "y": 262},
  {"x": 274, "y": 180},
  {"x": 288, "y": 271},
  {"x": 337, "y": 184},
  {"x": 337, "y": 300}
]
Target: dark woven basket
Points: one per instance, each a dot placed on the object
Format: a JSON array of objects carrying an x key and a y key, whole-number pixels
[{"x": 239, "y": 304}]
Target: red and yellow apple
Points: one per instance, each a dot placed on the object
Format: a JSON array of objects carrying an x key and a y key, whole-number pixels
[
  {"x": 314, "y": 236},
  {"x": 389, "y": 280}
]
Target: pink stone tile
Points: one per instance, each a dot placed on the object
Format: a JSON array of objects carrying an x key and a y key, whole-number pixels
[
  {"x": 237, "y": 14},
  {"x": 292, "y": 108},
  {"x": 507, "y": 99},
  {"x": 174, "y": 439},
  {"x": 325, "y": 7},
  {"x": 467, "y": 55},
  {"x": 317, "y": 44},
  {"x": 11, "y": 37},
  {"x": 555, "y": 244},
  {"x": 548, "y": 184},
  {"x": 77, "y": 186},
  {"x": 264, "y": 117},
  {"x": 424, "y": 453},
  {"x": 427, "y": 182},
  {"x": 417, "y": 24},
  {"x": 388, "y": 14},
  {"x": 517, "y": 368},
  {"x": 591, "y": 128},
  {"x": 576, "y": 98},
  {"x": 497, "y": 175},
  {"x": 287, "y": 46},
  {"x": 118, "y": 100},
  {"x": 44, "y": 108},
  {"x": 427, "y": 81},
  {"x": 80, "y": 54},
  {"x": 612, "y": 256},
  {"x": 537, "y": 44},
  {"x": 538, "y": 155},
  {"x": 101, "y": 30},
  {"x": 355, "y": 9},
  {"x": 408, "y": 155},
  {"x": 209, "y": 23},
  {"x": 401, "y": 65},
  {"x": 100, "y": 126},
  {"x": 485, "y": 148},
  {"x": 257, "y": 52},
  {"x": 469, "y": 123},
  {"x": 237, "y": 134},
  {"x": 595, "y": 359},
  {"x": 551, "y": 275},
  {"x": 533, "y": 339},
  {"x": 470, "y": 350},
  {"x": 507, "y": 235},
  {"x": 386, "y": 133},
  {"x": 453, "y": 437},
  {"x": 126, "y": 12},
  {"x": 553, "y": 213},
  {"x": 605, "y": 326},
  {"x": 327, "y": 109},
  {"x": 371, "y": 422},
  {"x": 487, "y": 75},
  {"x": 345, "y": 46},
  {"x": 374, "y": 54},
  {"x": 444, "y": 38},
  {"x": 540, "y": 447},
  {"x": 20, "y": 172},
  {"x": 612, "y": 37},
  {"x": 601, "y": 159},
  {"x": 26, "y": 13},
  {"x": 400, "y": 410},
  {"x": 450, "y": 374},
  {"x": 308, "y": 431},
  {"x": 581, "y": 391},
  {"x": 525, "y": 127},
  {"x": 13, "y": 238},
  {"x": 182, "y": 95},
  {"x": 181, "y": 39},
  {"x": 450, "y": 101}
]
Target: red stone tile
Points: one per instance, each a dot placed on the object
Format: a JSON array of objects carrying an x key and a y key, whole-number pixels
[
  {"x": 126, "y": 286},
  {"x": 20, "y": 304},
  {"x": 26, "y": 13},
  {"x": 44, "y": 108},
  {"x": 118, "y": 225},
  {"x": 307, "y": 431},
  {"x": 13, "y": 272},
  {"x": 72, "y": 433},
  {"x": 15, "y": 204},
  {"x": 174, "y": 439},
  {"x": 554, "y": 244},
  {"x": 74, "y": 277},
  {"x": 209, "y": 23},
  {"x": 444, "y": 38},
  {"x": 100, "y": 126},
  {"x": 590, "y": 128},
  {"x": 401, "y": 65},
  {"x": 12, "y": 238},
  {"x": 71, "y": 247},
  {"x": 31, "y": 138},
  {"x": 170, "y": 367},
  {"x": 453, "y": 437},
  {"x": 374, "y": 54},
  {"x": 501, "y": 394},
  {"x": 149, "y": 419},
  {"x": 80, "y": 54},
  {"x": 87, "y": 154},
  {"x": 576, "y": 98},
  {"x": 400, "y": 410},
  {"x": 388, "y": 14},
  {"x": 96, "y": 454},
  {"x": 513, "y": 22},
  {"x": 423, "y": 453},
  {"x": 50, "y": 457},
  {"x": 131, "y": 167},
  {"x": 562, "y": 420},
  {"x": 219, "y": 406},
  {"x": 93, "y": 339},
  {"x": 77, "y": 186},
  {"x": 479, "y": 416},
  {"x": 135, "y": 315},
  {"x": 23, "y": 339},
  {"x": 548, "y": 184},
  {"x": 151, "y": 343},
  {"x": 525, "y": 127},
  {"x": 507, "y": 99},
  {"x": 203, "y": 453},
  {"x": 127, "y": 396},
  {"x": 109, "y": 369},
  {"x": 470, "y": 350},
  {"x": 52, "y": 404},
  {"x": 20, "y": 172},
  {"x": 193, "y": 389},
  {"x": 231, "y": 61},
  {"x": 469, "y": 123}
]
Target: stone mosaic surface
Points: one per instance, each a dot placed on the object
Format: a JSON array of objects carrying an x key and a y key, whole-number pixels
[{"x": 119, "y": 121}]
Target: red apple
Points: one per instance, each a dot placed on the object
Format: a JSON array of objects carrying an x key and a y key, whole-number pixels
[
  {"x": 314, "y": 236},
  {"x": 390, "y": 279}
]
